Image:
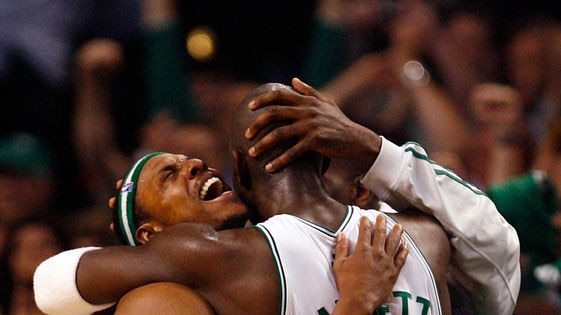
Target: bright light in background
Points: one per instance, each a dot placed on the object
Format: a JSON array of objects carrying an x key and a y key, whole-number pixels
[{"x": 201, "y": 43}]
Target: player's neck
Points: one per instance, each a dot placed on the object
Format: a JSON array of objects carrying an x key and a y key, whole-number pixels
[{"x": 301, "y": 194}]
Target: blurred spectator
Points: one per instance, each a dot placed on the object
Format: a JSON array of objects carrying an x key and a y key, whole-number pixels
[
  {"x": 27, "y": 179},
  {"x": 37, "y": 41},
  {"x": 514, "y": 116},
  {"x": 500, "y": 146},
  {"x": 187, "y": 91},
  {"x": 531, "y": 202},
  {"x": 89, "y": 227},
  {"x": 193, "y": 139},
  {"x": 464, "y": 49},
  {"x": 98, "y": 64},
  {"x": 521, "y": 175},
  {"x": 185, "y": 111},
  {"x": 255, "y": 40},
  {"x": 533, "y": 64},
  {"x": 342, "y": 32},
  {"x": 393, "y": 89},
  {"x": 29, "y": 243},
  {"x": 167, "y": 67}
]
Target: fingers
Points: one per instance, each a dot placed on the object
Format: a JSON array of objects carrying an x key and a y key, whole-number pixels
[
  {"x": 283, "y": 104},
  {"x": 277, "y": 96},
  {"x": 366, "y": 232},
  {"x": 298, "y": 129},
  {"x": 401, "y": 256},
  {"x": 304, "y": 88},
  {"x": 273, "y": 113},
  {"x": 341, "y": 248},
  {"x": 288, "y": 156},
  {"x": 379, "y": 234},
  {"x": 112, "y": 202},
  {"x": 377, "y": 237},
  {"x": 307, "y": 90},
  {"x": 276, "y": 136},
  {"x": 396, "y": 247},
  {"x": 317, "y": 123},
  {"x": 369, "y": 272},
  {"x": 394, "y": 239}
]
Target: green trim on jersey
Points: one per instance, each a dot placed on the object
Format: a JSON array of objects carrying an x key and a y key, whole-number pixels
[
  {"x": 413, "y": 246},
  {"x": 324, "y": 229},
  {"x": 440, "y": 170},
  {"x": 280, "y": 272},
  {"x": 437, "y": 307}
]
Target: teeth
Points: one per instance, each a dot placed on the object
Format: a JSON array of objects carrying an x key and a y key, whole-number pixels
[{"x": 208, "y": 184}]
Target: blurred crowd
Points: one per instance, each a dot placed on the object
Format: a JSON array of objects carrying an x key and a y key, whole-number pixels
[{"x": 87, "y": 87}]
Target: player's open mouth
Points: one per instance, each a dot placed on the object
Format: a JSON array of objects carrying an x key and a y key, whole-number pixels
[{"x": 212, "y": 189}]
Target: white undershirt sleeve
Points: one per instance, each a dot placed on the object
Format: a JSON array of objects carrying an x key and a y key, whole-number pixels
[{"x": 485, "y": 247}]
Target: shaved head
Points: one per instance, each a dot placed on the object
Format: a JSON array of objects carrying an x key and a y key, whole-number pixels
[
  {"x": 243, "y": 116},
  {"x": 251, "y": 181}
]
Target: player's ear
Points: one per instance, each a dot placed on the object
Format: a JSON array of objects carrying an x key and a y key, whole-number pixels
[
  {"x": 362, "y": 196},
  {"x": 112, "y": 227},
  {"x": 146, "y": 231},
  {"x": 241, "y": 171},
  {"x": 325, "y": 163}
]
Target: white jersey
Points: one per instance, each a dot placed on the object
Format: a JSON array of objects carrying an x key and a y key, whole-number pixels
[
  {"x": 303, "y": 252},
  {"x": 486, "y": 249}
]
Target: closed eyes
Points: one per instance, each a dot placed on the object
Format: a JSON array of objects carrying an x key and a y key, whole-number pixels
[{"x": 168, "y": 171}]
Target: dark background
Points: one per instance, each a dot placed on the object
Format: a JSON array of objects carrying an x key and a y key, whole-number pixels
[{"x": 255, "y": 35}]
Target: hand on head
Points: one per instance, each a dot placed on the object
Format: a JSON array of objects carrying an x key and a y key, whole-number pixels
[
  {"x": 317, "y": 122},
  {"x": 112, "y": 203}
]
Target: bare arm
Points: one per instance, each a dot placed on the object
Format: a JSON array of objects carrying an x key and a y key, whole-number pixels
[
  {"x": 97, "y": 62},
  {"x": 364, "y": 278},
  {"x": 179, "y": 254}
]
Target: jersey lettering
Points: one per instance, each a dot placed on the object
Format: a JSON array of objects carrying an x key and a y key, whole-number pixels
[{"x": 406, "y": 298}]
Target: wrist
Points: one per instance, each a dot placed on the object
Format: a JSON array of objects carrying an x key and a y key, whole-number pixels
[
  {"x": 353, "y": 306},
  {"x": 371, "y": 144}
]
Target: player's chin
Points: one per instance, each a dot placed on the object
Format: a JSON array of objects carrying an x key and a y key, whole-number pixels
[{"x": 229, "y": 211}]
